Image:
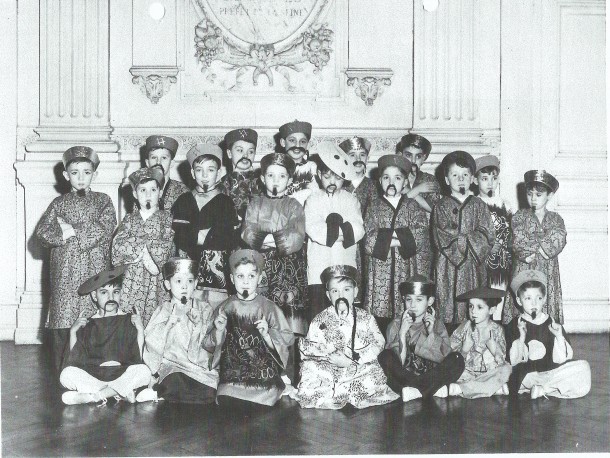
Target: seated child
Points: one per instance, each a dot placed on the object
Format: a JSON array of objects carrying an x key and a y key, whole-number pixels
[
  {"x": 104, "y": 358},
  {"x": 250, "y": 337},
  {"x": 203, "y": 221},
  {"x": 144, "y": 241},
  {"x": 481, "y": 342},
  {"x": 174, "y": 337},
  {"x": 274, "y": 225},
  {"x": 333, "y": 222},
  {"x": 77, "y": 227},
  {"x": 499, "y": 258},
  {"x": 417, "y": 359},
  {"x": 420, "y": 186},
  {"x": 539, "y": 236},
  {"x": 294, "y": 139},
  {"x": 340, "y": 351},
  {"x": 243, "y": 181},
  {"x": 160, "y": 152},
  {"x": 538, "y": 347},
  {"x": 396, "y": 241},
  {"x": 463, "y": 234}
]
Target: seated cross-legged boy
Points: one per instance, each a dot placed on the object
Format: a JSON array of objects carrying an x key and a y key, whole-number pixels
[
  {"x": 340, "y": 351},
  {"x": 174, "y": 336},
  {"x": 105, "y": 354},
  {"x": 418, "y": 360},
  {"x": 481, "y": 342},
  {"x": 538, "y": 346},
  {"x": 250, "y": 338}
]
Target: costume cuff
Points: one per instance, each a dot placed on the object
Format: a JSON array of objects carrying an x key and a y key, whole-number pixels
[
  {"x": 382, "y": 244},
  {"x": 348, "y": 234},
  {"x": 332, "y": 233},
  {"x": 407, "y": 247},
  {"x": 257, "y": 240}
]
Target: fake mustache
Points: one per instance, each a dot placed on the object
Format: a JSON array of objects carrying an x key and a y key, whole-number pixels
[
  {"x": 246, "y": 161},
  {"x": 472, "y": 323},
  {"x": 81, "y": 193},
  {"x": 159, "y": 166},
  {"x": 296, "y": 150},
  {"x": 387, "y": 190},
  {"x": 340, "y": 301},
  {"x": 115, "y": 303},
  {"x": 331, "y": 188},
  {"x": 357, "y": 163}
]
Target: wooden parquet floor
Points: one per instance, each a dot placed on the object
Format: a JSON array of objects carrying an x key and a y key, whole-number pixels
[{"x": 36, "y": 423}]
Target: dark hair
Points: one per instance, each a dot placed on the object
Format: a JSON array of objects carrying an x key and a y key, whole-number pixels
[
  {"x": 79, "y": 159},
  {"x": 116, "y": 282},
  {"x": 342, "y": 279},
  {"x": 146, "y": 180},
  {"x": 243, "y": 262},
  {"x": 489, "y": 170},
  {"x": 206, "y": 157},
  {"x": 322, "y": 167},
  {"x": 460, "y": 162},
  {"x": 538, "y": 187},
  {"x": 531, "y": 284}
]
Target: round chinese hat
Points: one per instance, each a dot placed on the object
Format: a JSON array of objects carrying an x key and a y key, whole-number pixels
[
  {"x": 175, "y": 266},
  {"x": 246, "y": 135},
  {"x": 394, "y": 160},
  {"x": 147, "y": 173},
  {"x": 162, "y": 142},
  {"x": 245, "y": 255},
  {"x": 295, "y": 127},
  {"x": 204, "y": 149},
  {"x": 417, "y": 284},
  {"x": 482, "y": 292},
  {"x": 486, "y": 161},
  {"x": 414, "y": 140},
  {"x": 525, "y": 276},
  {"x": 542, "y": 177},
  {"x": 101, "y": 279},
  {"x": 355, "y": 143},
  {"x": 339, "y": 271},
  {"x": 278, "y": 159},
  {"x": 461, "y": 156},
  {"x": 336, "y": 160},
  {"x": 80, "y": 152}
]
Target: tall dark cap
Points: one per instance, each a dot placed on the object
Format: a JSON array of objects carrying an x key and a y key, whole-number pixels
[
  {"x": 161, "y": 141},
  {"x": 417, "y": 284},
  {"x": 295, "y": 127},
  {"x": 246, "y": 135},
  {"x": 394, "y": 160},
  {"x": 278, "y": 159},
  {"x": 414, "y": 140},
  {"x": 543, "y": 177},
  {"x": 147, "y": 173},
  {"x": 355, "y": 143},
  {"x": 459, "y": 156},
  {"x": 482, "y": 292},
  {"x": 101, "y": 279},
  {"x": 175, "y": 266},
  {"x": 339, "y": 271},
  {"x": 80, "y": 152}
]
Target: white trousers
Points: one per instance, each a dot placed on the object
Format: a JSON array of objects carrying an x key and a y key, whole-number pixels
[
  {"x": 570, "y": 380},
  {"x": 76, "y": 379}
]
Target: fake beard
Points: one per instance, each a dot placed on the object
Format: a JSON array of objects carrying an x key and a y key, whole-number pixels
[
  {"x": 81, "y": 193},
  {"x": 274, "y": 191},
  {"x": 533, "y": 207},
  {"x": 490, "y": 193},
  {"x": 160, "y": 167},
  {"x": 462, "y": 190},
  {"x": 414, "y": 169},
  {"x": 148, "y": 206},
  {"x": 412, "y": 315},
  {"x": 205, "y": 187},
  {"x": 472, "y": 323},
  {"x": 341, "y": 306},
  {"x": 116, "y": 304},
  {"x": 387, "y": 191},
  {"x": 244, "y": 160},
  {"x": 533, "y": 314},
  {"x": 183, "y": 300},
  {"x": 245, "y": 294},
  {"x": 297, "y": 150},
  {"x": 331, "y": 188}
]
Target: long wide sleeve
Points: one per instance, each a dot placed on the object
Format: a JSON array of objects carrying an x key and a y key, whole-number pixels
[
  {"x": 554, "y": 239},
  {"x": 98, "y": 232},
  {"x": 185, "y": 224},
  {"x": 127, "y": 244},
  {"x": 48, "y": 230},
  {"x": 160, "y": 247},
  {"x": 290, "y": 239}
]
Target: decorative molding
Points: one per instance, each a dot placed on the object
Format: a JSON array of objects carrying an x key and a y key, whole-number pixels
[
  {"x": 586, "y": 315},
  {"x": 154, "y": 82},
  {"x": 369, "y": 83}
]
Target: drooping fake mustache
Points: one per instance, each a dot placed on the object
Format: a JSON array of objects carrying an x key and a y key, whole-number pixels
[
  {"x": 414, "y": 169},
  {"x": 472, "y": 323},
  {"x": 296, "y": 150},
  {"x": 115, "y": 303},
  {"x": 387, "y": 190},
  {"x": 246, "y": 161},
  {"x": 159, "y": 166},
  {"x": 340, "y": 301},
  {"x": 357, "y": 163},
  {"x": 331, "y": 188}
]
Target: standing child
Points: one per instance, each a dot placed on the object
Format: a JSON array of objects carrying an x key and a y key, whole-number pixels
[
  {"x": 250, "y": 337},
  {"x": 340, "y": 351},
  {"x": 160, "y": 152},
  {"x": 78, "y": 228},
  {"x": 417, "y": 359},
  {"x": 539, "y": 237},
  {"x": 294, "y": 139},
  {"x": 275, "y": 226},
  {"x": 538, "y": 346},
  {"x": 420, "y": 186},
  {"x": 463, "y": 234},
  {"x": 174, "y": 338},
  {"x": 243, "y": 181},
  {"x": 203, "y": 221},
  {"x": 105, "y": 354},
  {"x": 397, "y": 244},
  {"x": 481, "y": 342},
  {"x": 144, "y": 240},
  {"x": 499, "y": 259},
  {"x": 333, "y": 222}
]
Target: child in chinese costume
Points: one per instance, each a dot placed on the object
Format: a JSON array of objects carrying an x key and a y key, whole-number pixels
[{"x": 160, "y": 152}]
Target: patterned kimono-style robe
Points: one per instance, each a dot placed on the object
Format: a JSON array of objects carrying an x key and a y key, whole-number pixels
[
  {"x": 463, "y": 234},
  {"x": 172, "y": 190},
  {"x": 499, "y": 265},
  {"x": 285, "y": 277},
  {"x": 387, "y": 267},
  {"x": 529, "y": 235},
  {"x": 303, "y": 181},
  {"x": 182, "y": 349},
  {"x": 319, "y": 254},
  {"x": 241, "y": 187},
  {"x": 485, "y": 373},
  {"x": 249, "y": 369},
  {"x": 326, "y": 386},
  {"x": 219, "y": 216},
  {"x": 422, "y": 177},
  {"x": 75, "y": 260},
  {"x": 141, "y": 288}
]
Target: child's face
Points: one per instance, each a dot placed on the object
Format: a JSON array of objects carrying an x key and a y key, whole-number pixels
[
  {"x": 276, "y": 180},
  {"x": 538, "y": 199},
  {"x": 479, "y": 311},
  {"x": 487, "y": 182},
  {"x": 80, "y": 174},
  {"x": 458, "y": 178},
  {"x": 296, "y": 139},
  {"x": 532, "y": 300},
  {"x": 245, "y": 277},
  {"x": 331, "y": 182},
  {"x": 181, "y": 285},
  {"x": 417, "y": 304},
  {"x": 415, "y": 155},
  {"x": 359, "y": 157},
  {"x": 147, "y": 195},
  {"x": 205, "y": 173},
  {"x": 107, "y": 299},
  {"x": 392, "y": 181},
  {"x": 161, "y": 157},
  {"x": 241, "y": 155},
  {"x": 341, "y": 288}
]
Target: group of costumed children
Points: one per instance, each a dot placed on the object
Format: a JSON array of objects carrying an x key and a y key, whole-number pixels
[{"x": 284, "y": 280}]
